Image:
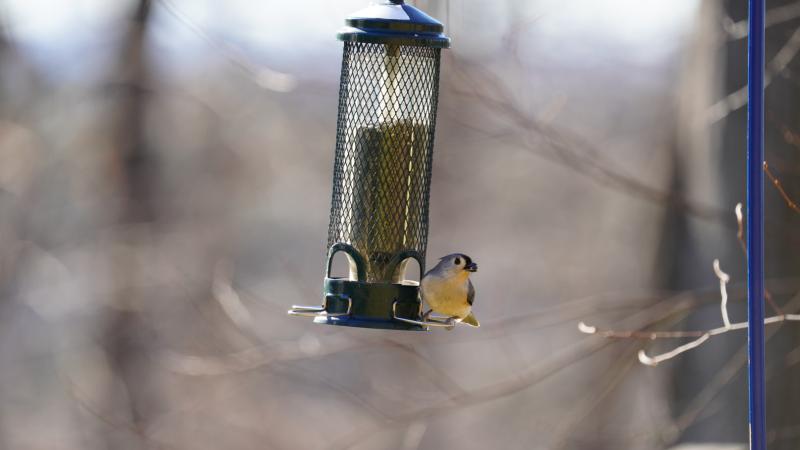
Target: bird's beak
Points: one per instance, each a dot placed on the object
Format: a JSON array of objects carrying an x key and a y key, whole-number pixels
[{"x": 471, "y": 267}]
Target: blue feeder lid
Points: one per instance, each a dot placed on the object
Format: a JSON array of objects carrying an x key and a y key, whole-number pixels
[{"x": 394, "y": 22}]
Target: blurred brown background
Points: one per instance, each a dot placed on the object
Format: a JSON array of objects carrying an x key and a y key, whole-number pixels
[{"x": 165, "y": 170}]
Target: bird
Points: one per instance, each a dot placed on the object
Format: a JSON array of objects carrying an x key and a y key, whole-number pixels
[{"x": 448, "y": 291}]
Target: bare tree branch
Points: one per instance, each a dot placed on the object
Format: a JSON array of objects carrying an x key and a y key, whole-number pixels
[
  {"x": 777, "y": 183},
  {"x": 775, "y": 67}
]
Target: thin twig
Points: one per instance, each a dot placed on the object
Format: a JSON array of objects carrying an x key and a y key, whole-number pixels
[
  {"x": 740, "y": 230},
  {"x": 586, "y": 406},
  {"x": 774, "y": 16},
  {"x": 648, "y": 335},
  {"x": 724, "y": 278},
  {"x": 740, "y": 236},
  {"x": 109, "y": 419},
  {"x": 777, "y": 183},
  {"x": 789, "y": 136},
  {"x": 263, "y": 76},
  {"x": 552, "y": 365},
  {"x": 560, "y": 146},
  {"x": 776, "y": 66}
]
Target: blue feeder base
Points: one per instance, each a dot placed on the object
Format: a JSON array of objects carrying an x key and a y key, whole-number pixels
[{"x": 367, "y": 305}]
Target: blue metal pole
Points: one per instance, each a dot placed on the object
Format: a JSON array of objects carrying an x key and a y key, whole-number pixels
[{"x": 755, "y": 225}]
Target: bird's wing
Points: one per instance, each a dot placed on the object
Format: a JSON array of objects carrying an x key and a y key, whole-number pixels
[{"x": 470, "y": 292}]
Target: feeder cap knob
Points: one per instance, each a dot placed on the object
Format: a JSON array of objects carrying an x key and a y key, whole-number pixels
[{"x": 394, "y": 22}]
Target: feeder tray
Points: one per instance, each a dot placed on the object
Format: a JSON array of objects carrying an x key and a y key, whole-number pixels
[{"x": 388, "y": 95}]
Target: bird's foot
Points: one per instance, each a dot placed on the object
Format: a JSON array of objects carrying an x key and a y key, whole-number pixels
[{"x": 426, "y": 315}]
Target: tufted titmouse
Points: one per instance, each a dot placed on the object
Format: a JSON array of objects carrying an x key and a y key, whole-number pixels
[{"x": 447, "y": 289}]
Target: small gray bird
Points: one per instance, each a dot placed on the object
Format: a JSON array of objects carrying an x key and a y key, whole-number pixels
[{"x": 448, "y": 291}]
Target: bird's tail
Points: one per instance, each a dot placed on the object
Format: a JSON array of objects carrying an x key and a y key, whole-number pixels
[{"x": 471, "y": 320}]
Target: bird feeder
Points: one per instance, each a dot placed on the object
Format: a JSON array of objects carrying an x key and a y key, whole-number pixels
[{"x": 388, "y": 95}]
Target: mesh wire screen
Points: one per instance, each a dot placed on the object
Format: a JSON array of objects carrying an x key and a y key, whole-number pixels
[{"x": 384, "y": 146}]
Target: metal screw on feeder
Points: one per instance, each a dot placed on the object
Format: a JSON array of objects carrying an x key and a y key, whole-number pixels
[{"x": 382, "y": 171}]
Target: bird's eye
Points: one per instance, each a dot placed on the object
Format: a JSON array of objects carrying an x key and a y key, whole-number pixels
[{"x": 457, "y": 261}]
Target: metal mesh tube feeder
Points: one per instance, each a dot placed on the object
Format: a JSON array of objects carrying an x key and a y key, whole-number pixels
[{"x": 388, "y": 95}]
